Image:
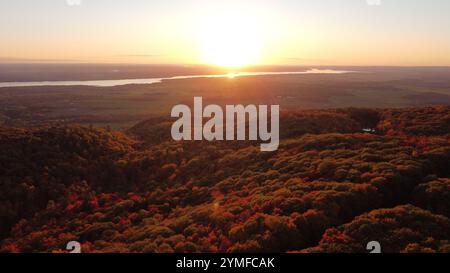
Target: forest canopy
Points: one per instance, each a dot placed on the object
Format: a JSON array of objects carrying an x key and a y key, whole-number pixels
[{"x": 332, "y": 186}]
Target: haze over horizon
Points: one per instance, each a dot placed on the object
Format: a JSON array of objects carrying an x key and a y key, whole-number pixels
[{"x": 231, "y": 34}]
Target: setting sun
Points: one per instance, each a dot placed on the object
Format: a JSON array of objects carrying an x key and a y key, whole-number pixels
[{"x": 231, "y": 41}]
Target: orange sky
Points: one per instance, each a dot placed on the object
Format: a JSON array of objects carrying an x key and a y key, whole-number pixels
[{"x": 229, "y": 33}]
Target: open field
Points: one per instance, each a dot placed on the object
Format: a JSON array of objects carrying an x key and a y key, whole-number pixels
[{"x": 124, "y": 106}]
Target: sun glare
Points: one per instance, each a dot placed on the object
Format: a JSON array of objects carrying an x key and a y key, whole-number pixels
[{"x": 231, "y": 41}]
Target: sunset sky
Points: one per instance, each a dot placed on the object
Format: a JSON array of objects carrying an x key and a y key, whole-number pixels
[{"x": 228, "y": 33}]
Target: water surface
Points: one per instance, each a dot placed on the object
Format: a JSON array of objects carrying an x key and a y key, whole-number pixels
[{"x": 110, "y": 83}]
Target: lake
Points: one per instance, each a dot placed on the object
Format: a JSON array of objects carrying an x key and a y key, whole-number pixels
[{"x": 110, "y": 83}]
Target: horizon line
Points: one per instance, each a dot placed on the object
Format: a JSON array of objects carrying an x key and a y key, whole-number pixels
[{"x": 212, "y": 66}]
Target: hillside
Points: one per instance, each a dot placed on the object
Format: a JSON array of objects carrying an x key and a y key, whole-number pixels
[{"x": 329, "y": 188}]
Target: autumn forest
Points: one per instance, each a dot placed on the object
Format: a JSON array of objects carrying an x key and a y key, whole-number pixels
[{"x": 341, "y": 178}]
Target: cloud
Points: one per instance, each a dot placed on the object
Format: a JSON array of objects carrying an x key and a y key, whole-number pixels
[
  {"x": 140, "y": 55},
  {"x": 25, "y": 60},
  {"x": 299, "y": 60}
]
